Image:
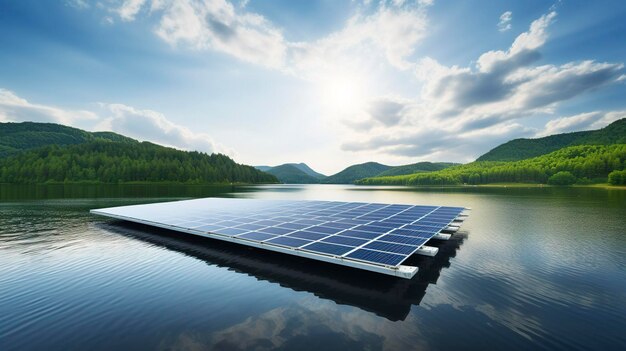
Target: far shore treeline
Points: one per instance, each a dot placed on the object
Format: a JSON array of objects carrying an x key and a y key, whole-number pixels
[
  {"x": 52, "y": 153},
  {"x": 587, "y": 157},
  {"x": 45, "y": 152},
  {"x": 109, "y": 162},
  {"x": 584, "y": 164}
]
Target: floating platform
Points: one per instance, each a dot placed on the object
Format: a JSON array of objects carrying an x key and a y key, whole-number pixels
[{"x": 370, "y": 236}]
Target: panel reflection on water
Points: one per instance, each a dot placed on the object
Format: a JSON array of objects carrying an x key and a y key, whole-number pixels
[{"x": 386, "y": 296}]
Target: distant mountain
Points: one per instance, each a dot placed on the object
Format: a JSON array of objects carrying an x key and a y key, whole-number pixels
[
  {"x": 520, "y": 149},
  {"x": 293, "y": 173},
  {"x": 15, "y": 137},
  {"x": 355, "y": 172},
  {"x": 416, "y": 168},
  {"x": 290, "y": 174},
  {"x": 308, "y": 170},
  {"x": 588, "y": 157},
  {"x": 581, "y": 164},
  {"x": 301, "y": 173},
  {"x": 45, "y": 152}
]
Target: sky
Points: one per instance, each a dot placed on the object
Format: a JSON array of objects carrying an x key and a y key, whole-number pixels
[{"x": 330, "y": 83}]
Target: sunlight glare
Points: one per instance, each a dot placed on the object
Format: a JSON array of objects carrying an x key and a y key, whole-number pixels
[{"x": 342, "y": 93}]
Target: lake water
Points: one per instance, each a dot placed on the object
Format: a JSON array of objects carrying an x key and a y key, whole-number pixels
[{"x": 537, "y": 268}]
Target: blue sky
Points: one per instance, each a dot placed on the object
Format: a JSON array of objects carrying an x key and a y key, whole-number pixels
[{"x": 329, "y": 83}]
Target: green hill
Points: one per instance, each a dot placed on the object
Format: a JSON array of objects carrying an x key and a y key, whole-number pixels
[
  {"x": 582, "y": 163},
  {"x": 290, "y": 174},
  {"x": 293, "y": 173},
  {"x": 15, "y": 137},
  {"x": 519, "y": 149},
  {"x": 354, "y": 172},
  {"x": 416, "y": 168},
  {"x": 308, "y": 170},
  {"x": 301, "y": 173},
  {"x": 44, "y": 152}
]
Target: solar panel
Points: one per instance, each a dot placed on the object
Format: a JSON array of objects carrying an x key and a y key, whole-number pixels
[{"x": 371, "y": 236}]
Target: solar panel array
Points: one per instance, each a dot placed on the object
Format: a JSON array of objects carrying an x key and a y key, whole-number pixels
[{"x": 380, "y": 234}]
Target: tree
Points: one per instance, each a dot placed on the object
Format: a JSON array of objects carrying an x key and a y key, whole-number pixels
[
  {"x": 562, "y": 178},
  {"x": 617, "y": 178},
  {"x": 474, "y": 178},
  {"x": 593, "y": 162},
  {"x": 112, "y": 162}
]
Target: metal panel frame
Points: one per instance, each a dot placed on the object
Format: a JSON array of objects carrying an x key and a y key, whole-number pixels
[{"x": 401, "y": 271}]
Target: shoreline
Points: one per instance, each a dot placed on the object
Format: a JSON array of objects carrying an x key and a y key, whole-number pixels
[
  {"x": 137, "y": 183},
  {"x": 531, "y": 185},
  {"x": 501, "y": 185},
  {"x": 492, "y": 185}
]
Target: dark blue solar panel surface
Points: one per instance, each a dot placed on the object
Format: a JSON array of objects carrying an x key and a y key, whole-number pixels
[
  {"x": 288, "y": 241},
  {"x": 328, "y": 248},
  {"x": 359, "y": 234},
  {"x": 276, "y": 230},
  {"x": 345, "y": 240},
  {"x": 377, "y": 257},
  {"x": 403, "y": 239},
  {"x": 391, "y": 247},
  {"x": 308, "y": 235},
  {"x": 380, "y": 234}
]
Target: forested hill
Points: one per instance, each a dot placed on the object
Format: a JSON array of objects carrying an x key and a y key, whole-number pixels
[
  {"x": 581, "y": 164},
  {"x": 44, "y": 152},
  {"x": 114, "y": 162},
  {"x": 374, "y": 169},
  {"x": 290, "y": 174},
  {"x": 355, "y": 172},
  {"x": 15, "y": 137},
  {"x": 519, "y": 149},
  {"x": 293, "y": 173},
  {"x": 416, "y": 168},
  {"x": 308, "y": 170}
]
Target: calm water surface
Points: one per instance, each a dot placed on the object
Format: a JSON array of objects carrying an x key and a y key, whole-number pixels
[{"x": 541, "y": 268}]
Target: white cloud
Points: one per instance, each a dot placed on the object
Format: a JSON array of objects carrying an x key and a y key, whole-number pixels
[
  {"x": 129, "y": 9},
  {"x": 154, "y": 126},
  {"x": 388, "y": 110},
  {"x": 569, "y": 124},
  {"x": 467, "y": 110},
  {"x": 393, "y": 29},
  {"x": 546, "y": 85},
  {"x": 79, "y": 4},
  {"x": 583, "y": 121},
  {"x": 459, "y": 110},
  {"x": 437, "y": 142},
  {"x": 383, "y": 111},
  {"x": 16, "y": 109},
  {"x": 608, "y": 118},
  {"x": 505, "y": 21},
  {"x": 525, "y": 42},
  {"x": 215, "y": 25},
  {"x": 139, "y": 124},
  {"x": 341, "y": 66}
]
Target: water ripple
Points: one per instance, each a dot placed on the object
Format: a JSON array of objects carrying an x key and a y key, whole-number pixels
[{"x": 538, "y": 271}]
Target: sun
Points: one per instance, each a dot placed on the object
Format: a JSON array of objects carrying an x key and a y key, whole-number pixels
[{"x": 342, "y": 93}]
